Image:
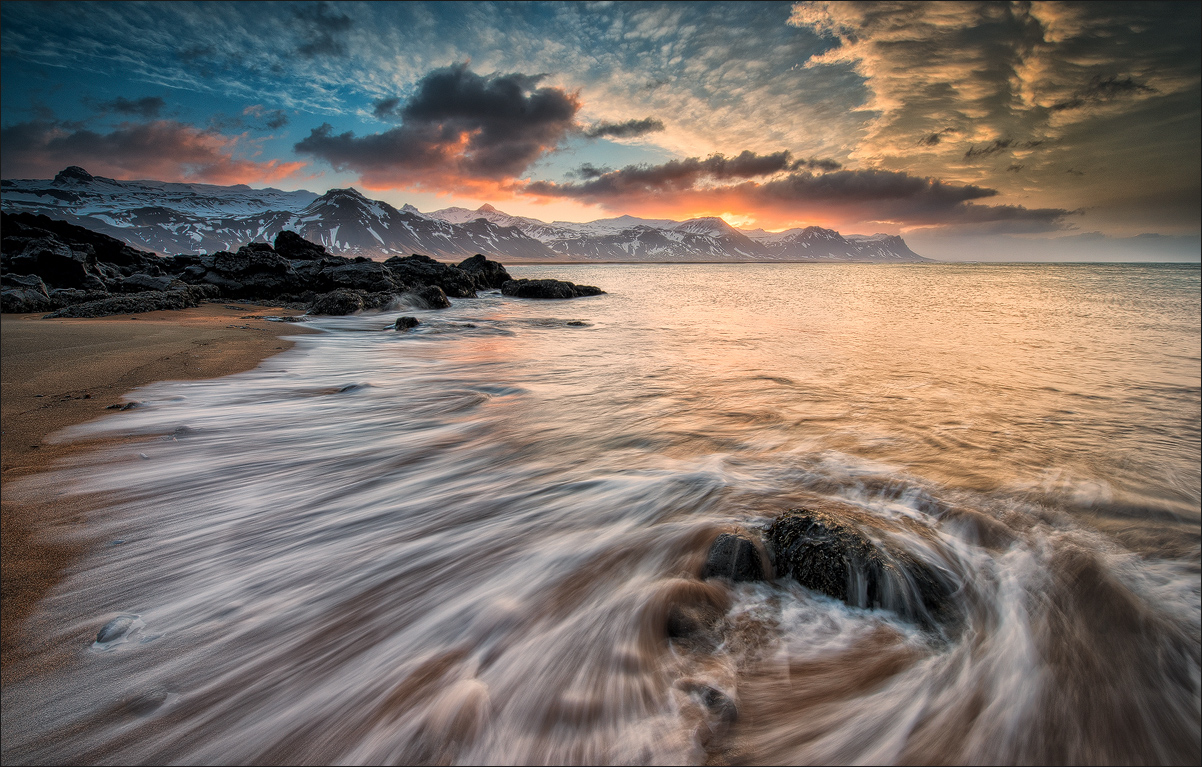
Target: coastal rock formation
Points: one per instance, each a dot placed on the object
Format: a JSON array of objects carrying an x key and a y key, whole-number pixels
[
  {"x": 405, "y": 323},
  {"x": 826, "y": 553},
  {"x": 524, "y": 288},
  {"x": 736, "y": 557},
  {"x": 50, "y": 265},
  {"x": 488, "y": 275}
]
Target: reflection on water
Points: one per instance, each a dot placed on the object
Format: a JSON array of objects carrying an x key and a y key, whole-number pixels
[{"x": 465, "y": 544}]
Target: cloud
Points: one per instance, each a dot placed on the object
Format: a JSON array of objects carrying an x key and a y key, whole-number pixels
[
  {"x": 269, "y": 119},
  {"x": 322, "y": 31},
  {"x": 457, "y": 127},
  {"x": 161, "y": 149},
  {"x": 770, "y": 187},
  {"x": 1101, "y": 90},
  {"x": 146, "y": 108},
  {"x": 627, "y": 129},
  {"x": 998, "y": 145},
  {"x": 386, "y": 109}
]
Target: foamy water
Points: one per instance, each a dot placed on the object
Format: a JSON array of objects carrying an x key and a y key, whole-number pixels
[{"x": 461, "y": 544}]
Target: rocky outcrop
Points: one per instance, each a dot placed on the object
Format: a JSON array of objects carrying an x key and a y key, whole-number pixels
[
  {"x": 488, "y": 275},
  {"x": 736, "y": 557},
  {"x": 405, "y": 323},
  {"x": 547, "y": 289},
  {"x": 423, "y": 270},
  {"x": 836, "y": 556},
  {"x": 149, "y": 301},
  {"x": 50, "y": 265}
]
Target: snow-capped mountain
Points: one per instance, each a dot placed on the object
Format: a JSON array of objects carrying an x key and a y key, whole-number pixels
[{"x": 174, "y": 218}]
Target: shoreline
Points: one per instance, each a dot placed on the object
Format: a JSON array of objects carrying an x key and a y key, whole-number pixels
[{"x": 62, "y": 372}]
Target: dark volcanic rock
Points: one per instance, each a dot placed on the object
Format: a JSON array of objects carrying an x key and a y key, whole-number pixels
[
  {"x": 488, "y": 275},
  {"x": 149, "y": 301},
  {"x": 431, "y": 297},
  {"x": 405, "y": 323},
  {"x": 292, "y": 246},
  {"x": 423, "y": 270},
  {"x": 25, "y": 293},
  {"x": 136, "y": 283},
  {"x": 734, "y": 556},
  {"x": 547, "y": 289},
  {"x": 834, "y": 556},
  {"x": 371, "y": 276},
  {"x": 338, "y": 303}
]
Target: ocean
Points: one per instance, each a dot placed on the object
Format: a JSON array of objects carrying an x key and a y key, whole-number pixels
[{"x": 461, "y": 543}]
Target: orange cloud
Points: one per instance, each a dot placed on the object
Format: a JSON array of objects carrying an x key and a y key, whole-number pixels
[{"x": 165, "y": 150}]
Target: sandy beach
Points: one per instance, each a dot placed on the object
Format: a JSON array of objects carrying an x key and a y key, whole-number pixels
[{"x": 57, "y": 373}]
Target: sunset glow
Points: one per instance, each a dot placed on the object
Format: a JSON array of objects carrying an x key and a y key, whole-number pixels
[{"x": 1036, "y": 122}]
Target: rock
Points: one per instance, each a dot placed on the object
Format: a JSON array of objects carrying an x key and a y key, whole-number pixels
[
  {"x": 139, "y": 282},
  {"x": 524, "y": 288},
  {"x": 423, "y": 270},
  {"x": 23, "y": 293},
  {"x": 834, "y": 556},
  {"x": 371, "y": 276},
  {"x": 431, "y": 297},
  {"x": 292, "y": 246},
  {"x": 337, "y": 303},
  {"x": 405, "y": 323},
  {"x": 118, "y": 629},
  {"x": 734, "y": 556},
  {"x": 149, "y": 301},
  {"x": 487, "y": 275}
]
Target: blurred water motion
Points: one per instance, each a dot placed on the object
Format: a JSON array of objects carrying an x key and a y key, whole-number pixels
[{"x": 463, "y": 544}]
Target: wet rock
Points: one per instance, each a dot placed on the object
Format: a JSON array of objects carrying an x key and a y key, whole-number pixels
[
  {"x": 337, "y": 303},
  {"x": 292, "y": 246},
  {"x": 486, "y": 274},
  {"x": 405, "y": 323},
  {"x": 432, "y": 297},
  {"x": 734, "y": 556},
  {"x": 423, "y": 270},
  {"x": 547, "y": 288},
  {"x": 836, "y": 557},
  {"x": 136, "y": 303},
  {"x": 118, "y": 629}
]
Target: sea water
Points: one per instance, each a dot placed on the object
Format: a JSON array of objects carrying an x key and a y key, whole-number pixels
[{"x": 460, "y": 543}]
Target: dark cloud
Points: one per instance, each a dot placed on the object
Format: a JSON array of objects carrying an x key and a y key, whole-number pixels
[
  {"x": 998, "y": 145},
  {"x": 322, "y": 30},
  {"x": 814, "y": 163},
  {"x": 1015, "y": 168},
  {"x": 933, "y": 139},
  {"x": 459, "y": 123},
  {"x": 386, "y": 109},
  {"x": 254, "y": 117},
  {"x": 161, "y": 149},
  {"x": 588, "y": 170},
  {"x": 628, "y": 129},
  {"x": 1101, "y": 90},
  {"x": 146, "y": 108},
  {"x": 767, "y": 183},
  {"x": 275, "y": 119}
]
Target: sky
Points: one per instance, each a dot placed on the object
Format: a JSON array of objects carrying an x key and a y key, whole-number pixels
[{"x": 978, "y": 131}]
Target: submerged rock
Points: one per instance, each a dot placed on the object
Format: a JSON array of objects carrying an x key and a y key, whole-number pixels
[
  {"x": 834, "y": 556},
  {"x": 405, "y": 323},
  {"x": 118, "y": 629},
  {"x": 547, "y": 288},
  {"x": 734, "y": 556}
]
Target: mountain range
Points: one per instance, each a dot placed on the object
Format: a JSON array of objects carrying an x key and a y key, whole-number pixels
[{"x": 172, "y": 218}]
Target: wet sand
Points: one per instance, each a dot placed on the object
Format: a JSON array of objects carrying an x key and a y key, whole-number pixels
[{"x": 56, "y": 373}]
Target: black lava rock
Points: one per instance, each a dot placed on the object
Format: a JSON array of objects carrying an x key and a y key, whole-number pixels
[
  {"x": 405, "y": 323},
  {"x": 292, "y": 246},
  {"x": 834, "y": 556},
  {"x": 431, "y": 297},
  {"x": 735, "y": 557},
  {"x": 423, "y": 270},
  {"x": 148, "y": 301},
  {"x": 337, "y": 303},
  {"x": 547, "y": 289},
  {"x": 488, "y": 275}
]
